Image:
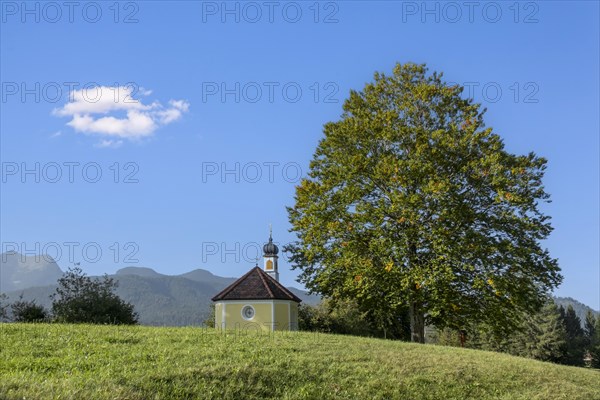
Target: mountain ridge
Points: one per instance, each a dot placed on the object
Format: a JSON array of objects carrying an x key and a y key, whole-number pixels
[
  {"x": 160, "y": 299},
  {"x": 18, "y": 271}
]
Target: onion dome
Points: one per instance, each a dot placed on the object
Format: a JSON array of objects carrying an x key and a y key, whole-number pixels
[{"x": 270, "y": 249}]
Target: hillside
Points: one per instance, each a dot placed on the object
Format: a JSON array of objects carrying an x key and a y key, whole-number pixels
[
  {"x": 580, "y": 308},
  {"x": 115, "y": 362},
  {"x": 161, "y": 300}
]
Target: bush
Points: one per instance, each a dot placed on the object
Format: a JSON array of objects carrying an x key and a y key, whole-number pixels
[
  {"x": 345, "y": 317},
  {"x": 210, "y": 319},
  {"x": 80, "y": 299},
  {"x": 28, "y": 311}
]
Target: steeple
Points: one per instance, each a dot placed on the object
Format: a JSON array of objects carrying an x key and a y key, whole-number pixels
[{"x": 270, "y": 251}]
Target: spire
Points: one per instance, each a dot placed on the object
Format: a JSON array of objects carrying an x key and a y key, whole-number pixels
[{"x": 270, "y": 251}]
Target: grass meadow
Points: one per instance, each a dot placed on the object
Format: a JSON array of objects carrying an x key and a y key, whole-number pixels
[{"x": 55, "y": 361}]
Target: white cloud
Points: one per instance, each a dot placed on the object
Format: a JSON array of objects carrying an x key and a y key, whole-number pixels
[
  {"x": 145, "y": 92},
  {"x": 107, "y": 143},
  {"x": 96, "y": 111},
  {"x": 136, "y": 125},
  {"x": 180, "y": 105},
  {"x": 56, "y": 134}
]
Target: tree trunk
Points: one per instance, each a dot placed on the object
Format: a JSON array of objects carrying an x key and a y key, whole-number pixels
[
  {"x": 417, "y": 323},
  {"x": 415, "y": 309}
]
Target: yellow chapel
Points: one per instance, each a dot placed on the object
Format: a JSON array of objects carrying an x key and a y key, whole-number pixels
[{"x": 257, "y": 301}]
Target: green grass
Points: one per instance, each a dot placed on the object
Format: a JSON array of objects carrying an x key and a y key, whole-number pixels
[{"x": 53, "y": 361}]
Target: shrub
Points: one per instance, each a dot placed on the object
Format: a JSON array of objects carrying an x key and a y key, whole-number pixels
[
  {"x": 81, "y": 299},
  {"x": 28, "y": 311}
]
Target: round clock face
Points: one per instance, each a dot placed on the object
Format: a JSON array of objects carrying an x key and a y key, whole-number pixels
[{"x": 248, "y": 312}]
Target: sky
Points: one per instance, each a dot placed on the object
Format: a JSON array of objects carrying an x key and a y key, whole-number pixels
[{"x": 171, "y": 134}]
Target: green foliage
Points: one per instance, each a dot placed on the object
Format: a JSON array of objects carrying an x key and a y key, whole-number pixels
[
  {"x": 594, "y": 349},
  {"x": 591, "y": 339},
  {"x": 342, "y": 317},
  {"x": 552, "y": 334},
  {"x": 581, "y": 309},
  {"x": 3, "y": 307},
  {"x": 575, "y": 346},
  {"x": 210, "y": 319},
  {"x": 345, "y": 317},
  {"x": 545, "y": 336},
  {"x": 412, "y": 204},
  {"x": 81, "y": 299},
  {"x": 540, "y": 336},
  {"x": 28, "y": 311},
  {"x": 445, "y": 337},
  {"x": 52, "y": 361},
  {"x": 589, "y": 328}
]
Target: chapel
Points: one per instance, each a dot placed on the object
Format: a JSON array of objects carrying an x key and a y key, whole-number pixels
[{"x": 257, "y": 301}]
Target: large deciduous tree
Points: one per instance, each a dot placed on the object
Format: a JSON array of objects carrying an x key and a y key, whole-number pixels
[{"x": 412, "y": 203}]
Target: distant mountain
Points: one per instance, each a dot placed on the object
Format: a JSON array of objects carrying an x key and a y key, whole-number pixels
[
  {"x": 168, "y": 300},
  {"x": 205, "y": 277},
  {"x": 201, "y": 275},
  {"x": 580, "y": 308},
  {"x": 19, "y": 272},
  {"x": 139, "y": 271},
  {"x": 159, "y": 299}
]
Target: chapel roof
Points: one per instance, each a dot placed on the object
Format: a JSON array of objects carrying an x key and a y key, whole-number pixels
[{"x": 256, "y": 285}]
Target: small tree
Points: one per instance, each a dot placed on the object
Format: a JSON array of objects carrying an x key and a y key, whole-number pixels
[
  {"x": 575, "y": 346},
  {"x": 81, "y": 299},
  {"x": 209, "y": 321},
  {"x": 28, "y": 311},
  {"x": 589, "y": 332},
  {"x": 589, "y": 328},
  {"x": 543, "y": 337},
  {"x": 595, "y": 346}
]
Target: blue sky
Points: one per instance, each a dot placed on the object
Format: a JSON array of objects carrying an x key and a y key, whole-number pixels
[{"x": 221, "y": 107}]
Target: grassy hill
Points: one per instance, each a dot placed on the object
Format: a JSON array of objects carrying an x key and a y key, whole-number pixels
[{"x": 48, "y": 361}]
